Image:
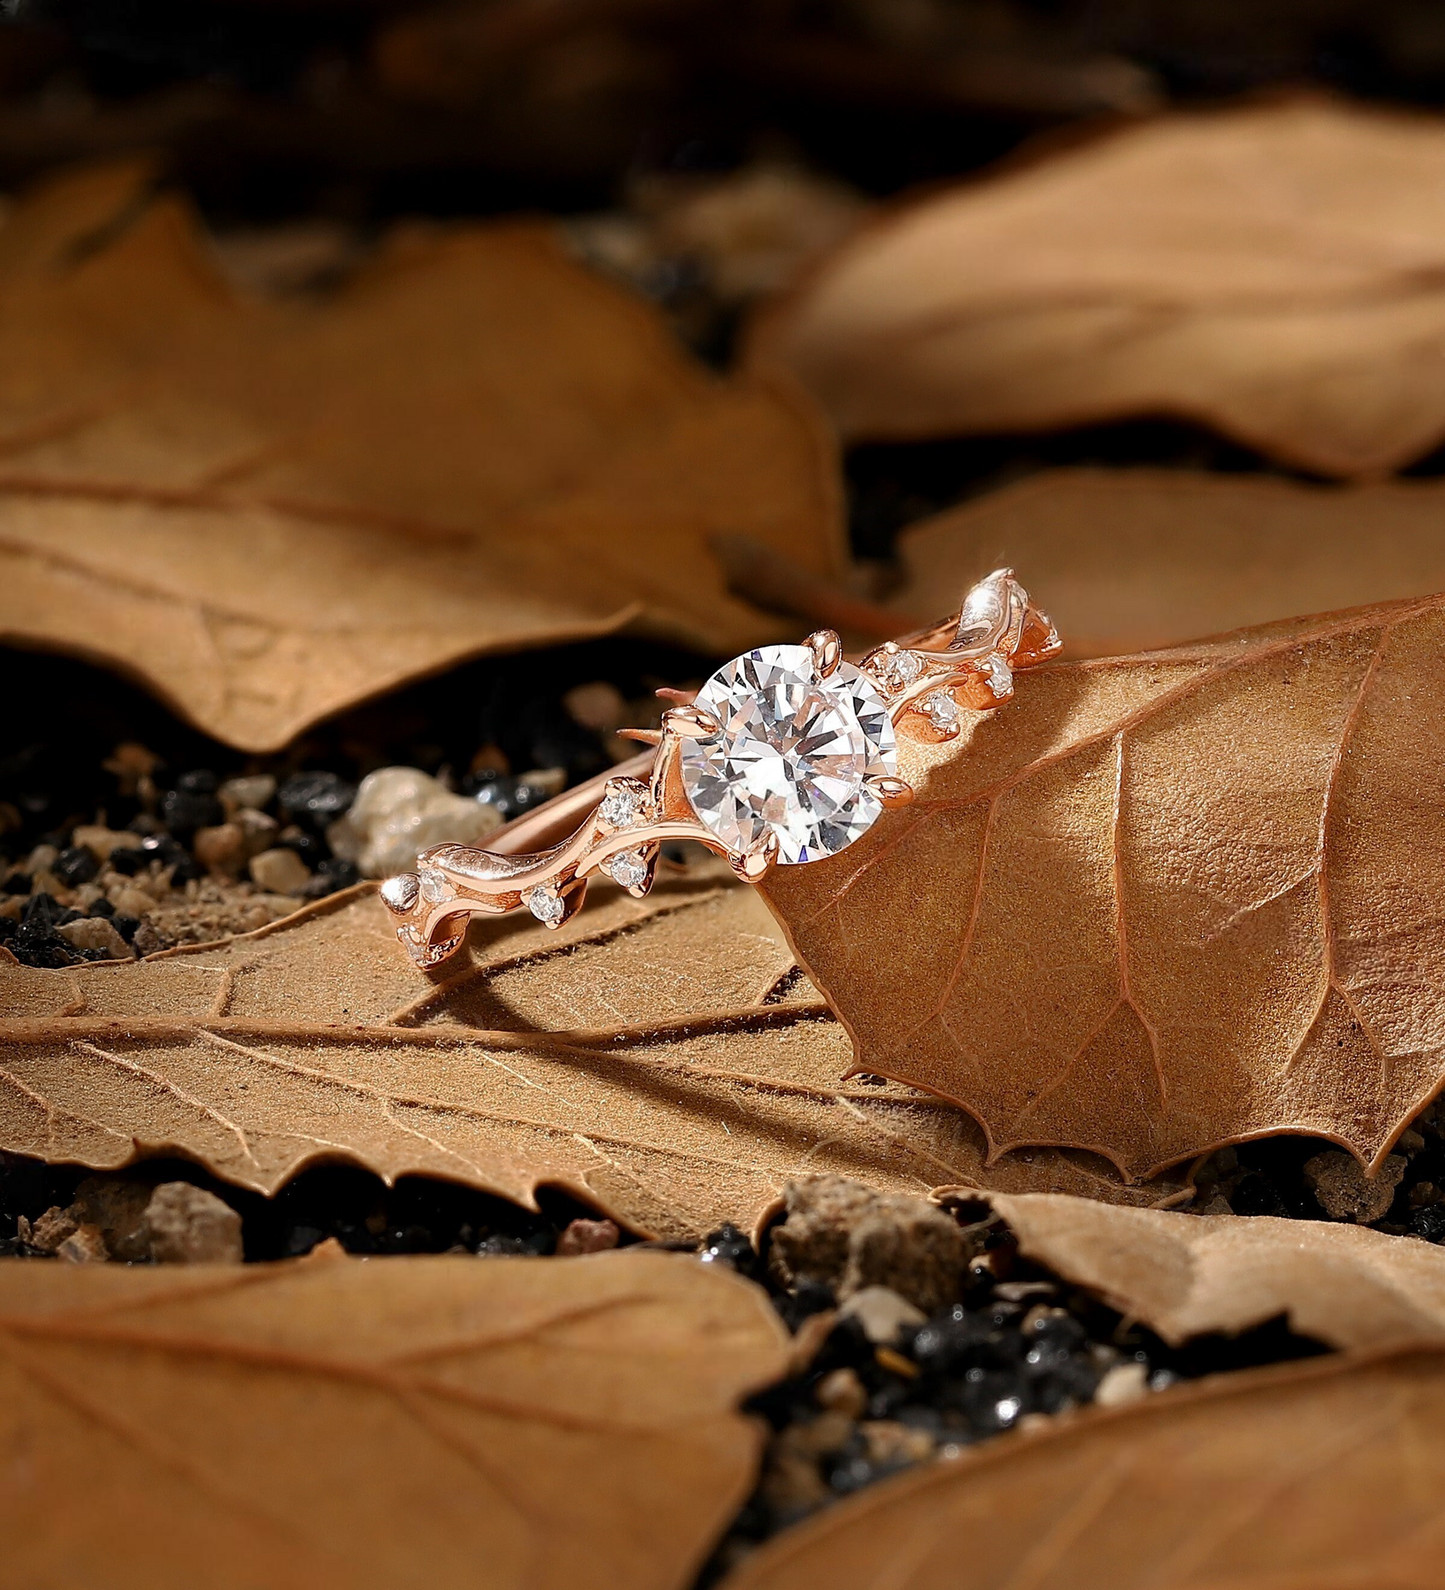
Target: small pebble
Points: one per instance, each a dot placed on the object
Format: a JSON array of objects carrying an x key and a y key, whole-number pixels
[
  {"x": 131, "y": 902},
  {"x": 599, "y": 706},
  {"x": 76, "y": 865},
  {"x": 84, "y": 1245},
  {"x": 728, "y": 1246},
  {"x": 881, "y": 1312},
  {"x": 1123, "y": 1383},
  {"x": 41, "y": 859},
  {"x": 399, "y": 811},
  {"x": 279, "y": 871},
  {"x": 49, "y": 1230},
  {"x": 316, "y": 799},
  {"x": 183, "y": 811},
  {"x": 258, "y": 829},
  {"x": 249, "y": 793},
  {"x": 188, "y": 1225},
  {"x": 841, "y": 1391},
  {"x": 587, "y": 1236},
  {"x": 221, "y": 849},
  {"x": 1345, "y": 1192},
  {"x": 892, "y": 1445},
  {"x": 95, "y": 933},
  {"x": 101, "y": 841}
]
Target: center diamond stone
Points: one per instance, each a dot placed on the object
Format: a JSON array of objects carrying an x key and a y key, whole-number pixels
[{"x": 793, "y": 756}]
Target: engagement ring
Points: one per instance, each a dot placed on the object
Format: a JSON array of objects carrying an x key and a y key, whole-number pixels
[{"x": 788, "y": 754}]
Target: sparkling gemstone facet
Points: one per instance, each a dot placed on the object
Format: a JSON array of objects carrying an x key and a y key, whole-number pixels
[
  {"x": 794, "y": 756},
  {"x": 942, "y": 710},
  {"x": 545, "y": 904},
  {"x": 627, "y": 867},
  {"x": 1000, "y": 675},
  {"x": 435, "y": 886},
  {"x": 621, "y": 807}
]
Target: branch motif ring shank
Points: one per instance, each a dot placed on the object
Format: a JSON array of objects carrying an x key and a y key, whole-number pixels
[{"x": 786, "y": 755}]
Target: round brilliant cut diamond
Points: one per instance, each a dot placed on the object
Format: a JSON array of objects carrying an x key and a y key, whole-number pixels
[{"x": 794, "y": 756}]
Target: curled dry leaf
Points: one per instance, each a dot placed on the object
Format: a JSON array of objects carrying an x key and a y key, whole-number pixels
[
  {"x": 332, "y": 1422},
  {"x": 1187, "y": 1275},
  {"x": 1163, "y": 902},
  {"x": 678, "y": 1096},
  {"x": 1326, "y": 1475},
  {"x": 267, "y": 511},
  {"x": 1274, "y": 272},
  {"x": 1124, "y": 560}
]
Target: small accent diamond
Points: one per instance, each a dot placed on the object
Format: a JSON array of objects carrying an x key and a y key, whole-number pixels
[
  {"x": 546, "y": 904},
  {"x": 897, "y": 669},
  {"x": 1000, "y": 675},
  {"x": 621, "y": 807},
  {"x": 942, "y": 710},
  {"x": 627, "y": 867},
  {"x": 435, "y": 886}
]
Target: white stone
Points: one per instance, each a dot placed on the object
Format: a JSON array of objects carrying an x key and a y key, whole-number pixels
[
  {"x": 881, "y": 1312},
  {"x": 795, "y": 755},
  {"x": 545, "y": 904},
  {"x": 942, "y": 710},
  {"x": 622, "y": 807},
  {"x": 279, "y": 871},
  {"x": 1123, "y": 1383},
  {"x": 1000, "y": 675},
  {"x": 399, "y": 811},
  {"x": 627, "y": 867}
]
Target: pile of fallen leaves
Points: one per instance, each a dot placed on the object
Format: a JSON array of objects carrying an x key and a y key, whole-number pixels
[{"x": 1069, "y": 1141}]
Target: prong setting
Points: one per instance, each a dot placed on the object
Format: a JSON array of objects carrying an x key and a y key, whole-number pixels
[
  {"x": 827, "y": 651},
  {"x": 892, "y": 792},
  {"x": 690, "y": 723},
  {"x": 759, "y": 861}
]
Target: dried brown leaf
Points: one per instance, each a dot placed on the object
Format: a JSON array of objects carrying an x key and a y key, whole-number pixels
[
  {"x": 1321, "y": 1476},
  {"x": 1274, "y": 272},
  {"x": 678, "y": 1097},
  {"x": 1163, "y": 902},
  {"x": 267, "y": 511},
  {"x": 333, "y": 1422},
  {"x": 1186, "y": 1275},
  {"x": 1124, "y": 560}
]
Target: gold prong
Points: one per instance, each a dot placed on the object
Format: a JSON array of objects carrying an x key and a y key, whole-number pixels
[
  {"x": 644, "y": 736},
  {"x": 679, "y": 698},
  {"x": 759, "y": 861},
  {"x": 827, "y": 650},
  {"x": 892, "y": 792},
  {"x": 690, "y": 722}
]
